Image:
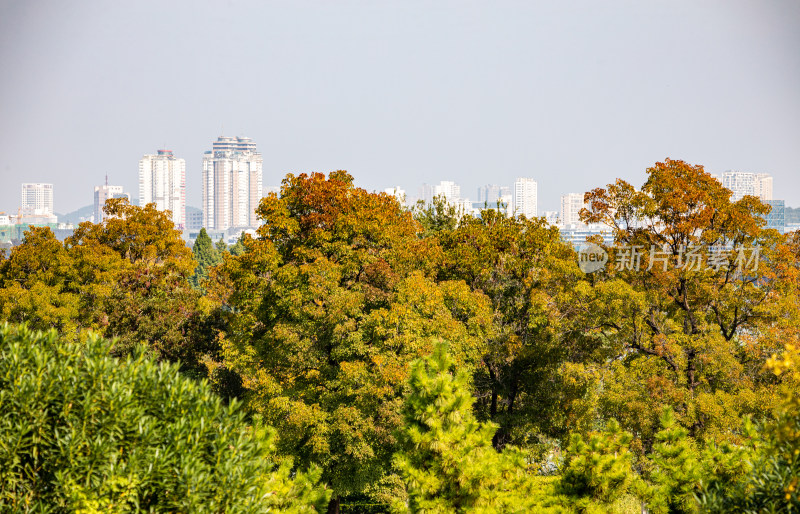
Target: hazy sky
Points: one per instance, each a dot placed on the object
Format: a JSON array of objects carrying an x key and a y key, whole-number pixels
[{"x": 574, "y": 94}]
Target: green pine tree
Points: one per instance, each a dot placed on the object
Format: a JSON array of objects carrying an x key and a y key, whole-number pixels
[
  {"x": 676, "y": 473},
  {"x": 206, "y": 256},
  {"x": 222, "y": 246},
  {"x": 448, "y": 462},
  {"x": 597, "y": 473}
]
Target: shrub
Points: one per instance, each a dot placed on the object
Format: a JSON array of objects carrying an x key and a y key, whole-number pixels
[{"x": 85, "y": 432}]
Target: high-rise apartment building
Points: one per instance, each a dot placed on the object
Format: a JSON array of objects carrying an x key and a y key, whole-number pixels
[
  {"x": 37, "y": 199},
  {"x": 571, "y": 205},
  {"x": 450, "y": 190},
  {"x": 232, "y": 183},
  {"x": 525, "y": 197},
  {"x": 763, "y": 186},
  {"x": 446, "y": 188},
  {"x": 103, "y": 193},
  {"x": 162, "y": 181},
  {"x": 777, "y": 215},
  {"x": 491, "y": 193},
  {"x": 744, "y": 183},
  {"x": 426, "y": 193}
]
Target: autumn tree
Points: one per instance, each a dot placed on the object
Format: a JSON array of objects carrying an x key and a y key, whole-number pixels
[
  {"x": 772, "y": 480},
  {"x": 695, "y": 297},
  {"x": 327, "y": 308},
  {"x": 145, "y": 295},
  {"x": 530, "y": 275},
  {"x": 36, "y": 285},
  {"x": 142, "y": 235},
  {"x": 126, "y": 277},
  {"x": 238, "y": 247}
]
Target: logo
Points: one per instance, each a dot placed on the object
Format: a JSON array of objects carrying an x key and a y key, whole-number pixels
[{"x": 591, "y": 258}]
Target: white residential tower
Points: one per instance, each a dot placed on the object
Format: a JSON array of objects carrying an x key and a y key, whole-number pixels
[
  {"x": 232, "y": 184},
  {"x": 37, "y": 199},
  {"x": 162, "y": 181},
  {"x": 571, "y": 205},
  {"x": 525, "y": 197}
]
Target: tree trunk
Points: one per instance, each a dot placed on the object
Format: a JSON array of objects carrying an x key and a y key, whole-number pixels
[
  {"x": 691, "y": 374},
  {"x": 493, "y": 406},
  {"x": 503, "y": 433},
  {"x": 333, "y": 506}
]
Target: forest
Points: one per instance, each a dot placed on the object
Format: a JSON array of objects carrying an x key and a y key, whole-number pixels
[{"x": 356, "y": 356}]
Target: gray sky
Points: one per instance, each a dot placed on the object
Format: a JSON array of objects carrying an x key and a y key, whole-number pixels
[{"x": 571, "y": 93}]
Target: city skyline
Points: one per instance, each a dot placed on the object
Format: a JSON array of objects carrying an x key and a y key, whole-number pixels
[
  {"x": 574, "y": 95},
  {"x": 233, "y": 179},
  {"x": 229, "y": 151}
]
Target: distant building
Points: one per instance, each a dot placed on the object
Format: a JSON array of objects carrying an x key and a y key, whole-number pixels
[
  {"x": 162, "y": 181},
  {"x": 776, "y": 218},
  {"x": 14, "y": 233},
  {"x": 103, "y": 193},
  {"x": 571, "y": 205},
  {"x": 490, "y": 193},
  {"x": 36, "y": 204},
  {"x": 744, "y": 183},
  {"x": 194, "y": 218},
  {"x": 425, "y": 193},
  {"x": 551, "y": 217},
  {"x": 37, "y": 199},
  {"x": 232, "y": 184},
  {"x": 576, "y": 235},
  {"x": 450, "y": 190},
  {"x": 525, "y": 197},
  {"x": 398, "y": 192},
  {"x": 763, "y": 186},
  {"x": 446, "y": 188}
]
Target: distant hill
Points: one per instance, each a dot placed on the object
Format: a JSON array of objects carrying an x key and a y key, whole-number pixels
[
  {"x": 85, "y": 214},
  {"x": 75, "y": 217},
  {"x": 792, "y": 215}
]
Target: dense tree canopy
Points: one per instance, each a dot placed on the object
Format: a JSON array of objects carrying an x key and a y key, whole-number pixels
[
  {"x": 126, "y": 277},
  {"x": 332, "y": 302},
  {"x": 81, "y": 431},
  {"x": 530, "y": 276},
  {"x": 666, "y": 379},
  {"x": 714, "y": 296}
]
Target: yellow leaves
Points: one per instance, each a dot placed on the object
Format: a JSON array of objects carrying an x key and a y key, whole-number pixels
[{"x": 787, "y": 363}]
